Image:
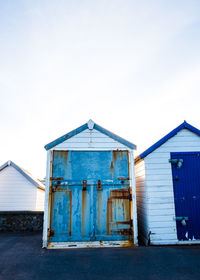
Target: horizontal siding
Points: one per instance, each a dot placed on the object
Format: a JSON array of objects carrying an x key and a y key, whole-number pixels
[
  {"x": 159, "y": 177},
  {"x": 158, "y": 194},
  {"x": 160, "y": 206},
  {"x": 153, "y": 225},
  {"x": 193, "y": 139},
  {"x": 16, "y": 192},
  {"x": 162, "y": 200},
  {"x": 40, "y": 200},
  {"x": 158, "y": 181},
  {"x": 159, "y": 166},
  {"x": 164, "y": 172},
  {"x": 158, "y": 212},
  {"x": 162, "y": 218},
  {"x": 92, "y": 145},
  {"x": 163, "y": 230},
  {"x": 163, "y": 237},
  {"x": 90, "y": 140},
  {"x": 154, "y": 189},
  {"x": 185, "y": 133},
  {"x": 178, "y": 148}
]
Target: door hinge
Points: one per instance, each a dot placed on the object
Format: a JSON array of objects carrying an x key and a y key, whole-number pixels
[
  {"x": 123, "y": 178},
  {"x": 53, "y": 188},
  {"x": 56, "y": 178}
]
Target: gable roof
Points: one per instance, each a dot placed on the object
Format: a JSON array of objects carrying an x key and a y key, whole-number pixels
[
  {"x": 89, "y": 125},
  {"x": 25, "y": 173},
  {"x": 167, "y": 137}
]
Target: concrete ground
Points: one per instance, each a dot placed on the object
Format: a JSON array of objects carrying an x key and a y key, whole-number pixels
[{"x": 21, "y": 257}]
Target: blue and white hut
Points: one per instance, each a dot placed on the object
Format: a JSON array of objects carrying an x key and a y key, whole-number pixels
[{"x": 168, "y": 188}]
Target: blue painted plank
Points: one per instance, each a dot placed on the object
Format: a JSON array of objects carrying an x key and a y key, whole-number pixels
[{"x": 94, "y": 214}]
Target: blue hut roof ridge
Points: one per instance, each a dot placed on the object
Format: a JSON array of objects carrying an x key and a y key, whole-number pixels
[
  {"x": 89, "y": 125},
  {"x": 167, "y": 137}
]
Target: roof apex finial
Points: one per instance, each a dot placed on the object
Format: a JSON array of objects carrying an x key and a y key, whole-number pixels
[{"x": 90, "y": 124}]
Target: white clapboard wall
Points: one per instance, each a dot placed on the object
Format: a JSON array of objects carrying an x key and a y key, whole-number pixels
[
  {"x": 17, "y": 193},
  {"x": 90, "y": 140}
]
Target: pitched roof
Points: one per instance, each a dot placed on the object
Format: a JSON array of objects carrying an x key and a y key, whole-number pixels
[
  {"x": 167, "y": 137},
  {"x": 25, "y": 173},
  {"x": 89, "y": 125}
]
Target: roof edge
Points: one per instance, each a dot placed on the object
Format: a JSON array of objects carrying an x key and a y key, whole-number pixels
[
  {"x": 66, "y": 136},
  {"x": 114, "y": 136},
  {"x": 24, "y": 173},
  {"x": 138, "y": 159},
  {"x": 167, "y": 137},
  {"x": 89, "y": 125}
]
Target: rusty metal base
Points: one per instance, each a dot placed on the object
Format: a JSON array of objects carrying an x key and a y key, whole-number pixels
[{"x": 91, "y": 244}]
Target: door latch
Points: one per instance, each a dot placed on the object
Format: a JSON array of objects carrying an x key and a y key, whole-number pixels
[
  {"x": 182, "y": 220},
  {"x": 84, "y": 187},
  {"x": 99, "y": 185},
  {"x": 177, "y": 161}
]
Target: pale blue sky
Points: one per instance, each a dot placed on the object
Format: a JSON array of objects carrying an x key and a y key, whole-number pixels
[{"x": 131, "y": 66}]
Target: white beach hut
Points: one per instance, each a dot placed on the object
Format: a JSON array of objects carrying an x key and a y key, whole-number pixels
[{"x": 21, "y": 199}]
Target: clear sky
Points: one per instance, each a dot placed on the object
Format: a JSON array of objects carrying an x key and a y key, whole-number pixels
[{"x": 131, "y": 66}]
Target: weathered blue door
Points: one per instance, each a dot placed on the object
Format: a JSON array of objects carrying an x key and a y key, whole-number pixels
[
  {"x": 186, "y": 183},
  {"x": 90, "y": 198}
]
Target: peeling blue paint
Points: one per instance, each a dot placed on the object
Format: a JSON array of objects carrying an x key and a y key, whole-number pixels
[{"x": 89, "y": 212}]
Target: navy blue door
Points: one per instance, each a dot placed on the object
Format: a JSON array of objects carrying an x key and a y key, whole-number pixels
[
  {"x": 186, "y": 183},
  {"x": 90, "y": 198}
]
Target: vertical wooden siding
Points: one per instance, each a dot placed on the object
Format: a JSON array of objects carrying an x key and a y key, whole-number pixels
[{"x": 40, "y": 200}]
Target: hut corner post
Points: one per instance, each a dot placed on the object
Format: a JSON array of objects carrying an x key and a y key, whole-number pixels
[
  {"x": 134, "y": 206},
  {"x": 46, "y": 205}
]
